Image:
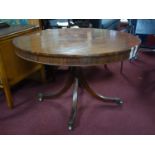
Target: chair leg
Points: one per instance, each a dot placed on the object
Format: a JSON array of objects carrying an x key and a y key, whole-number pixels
[{"x": 134, "y": 53}]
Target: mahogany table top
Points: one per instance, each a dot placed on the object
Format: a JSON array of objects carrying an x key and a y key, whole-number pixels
[{"x": 75, "y": 47}]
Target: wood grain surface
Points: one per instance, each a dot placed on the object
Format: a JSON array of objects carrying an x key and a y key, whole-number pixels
[{"x": 75, "y": 47}]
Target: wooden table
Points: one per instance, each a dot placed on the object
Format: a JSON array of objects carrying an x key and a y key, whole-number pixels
[{"x": 76, "y": 48}]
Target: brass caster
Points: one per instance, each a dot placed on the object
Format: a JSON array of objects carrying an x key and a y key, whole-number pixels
[
  {"x": 70, "y": 126},
  {"x": 40, "y": 97},
  {"x": 119, "y": 102}
]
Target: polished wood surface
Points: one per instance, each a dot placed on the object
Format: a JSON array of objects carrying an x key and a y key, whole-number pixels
[
  {"x": 75, "y": 47},
  {"x": 12, "y": 68}
]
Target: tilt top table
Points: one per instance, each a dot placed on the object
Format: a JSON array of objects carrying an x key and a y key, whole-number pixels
[{"x": 76, "y": 48}]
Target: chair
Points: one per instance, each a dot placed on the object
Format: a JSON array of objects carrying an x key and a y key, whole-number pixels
[{"x": 143, "y": 28}]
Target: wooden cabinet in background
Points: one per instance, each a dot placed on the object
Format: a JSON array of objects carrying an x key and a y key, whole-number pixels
[{"x": 12, "y": 68}]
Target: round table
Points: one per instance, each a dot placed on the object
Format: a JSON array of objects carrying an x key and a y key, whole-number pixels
[{"x": 76, "y": 48}]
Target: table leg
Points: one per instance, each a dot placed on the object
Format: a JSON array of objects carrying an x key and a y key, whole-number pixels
[
  {"x": 68, "y": 84},
  {"x": 74, "y": 105},
  {"x": 93, "y": 93}
]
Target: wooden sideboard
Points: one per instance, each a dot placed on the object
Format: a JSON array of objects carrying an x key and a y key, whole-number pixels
[{"x": 12, "y": 68}]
